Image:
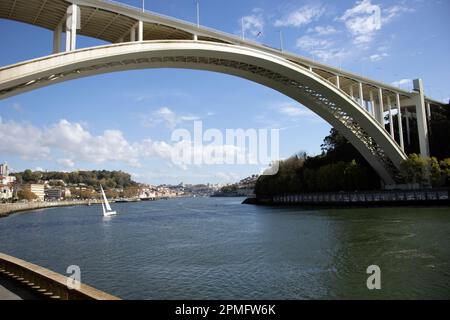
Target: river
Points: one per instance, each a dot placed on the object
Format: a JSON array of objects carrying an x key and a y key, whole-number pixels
[{"x": 217, "y": 248}]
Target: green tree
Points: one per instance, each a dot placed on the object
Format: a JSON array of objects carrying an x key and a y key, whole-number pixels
[
  {"x": 445, "y": 170},
  {"x": 413, "y": 169},
  {"x": 435, "y": 172},
  {"x": 26, "y": 194}
]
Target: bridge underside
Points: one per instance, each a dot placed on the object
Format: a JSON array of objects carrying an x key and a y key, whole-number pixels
[
  {"x": 304, "y": 86},
  {"x": 354, "y": 105}
]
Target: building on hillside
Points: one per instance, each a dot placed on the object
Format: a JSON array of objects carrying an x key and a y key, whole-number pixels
[
  {"x": 66, "y": 193},
  {"x": 4, "y": 170},
  {"x": 37, "y": 189},
  {"x": 6, "y": 192},
  {"x": 53, "y": 194}
]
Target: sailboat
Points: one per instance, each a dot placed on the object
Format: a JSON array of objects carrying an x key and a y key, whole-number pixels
[{"x": 107, "y": 211}]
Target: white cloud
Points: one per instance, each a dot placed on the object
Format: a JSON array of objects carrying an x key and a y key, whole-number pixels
[
  {"x": 362, "y": 21},
  {"x": 323, "y": 49},
  {"x": 167, "y": 117},
  {"x": 403, "y": 83},
  {"x": 378, "y": 56},
  {"x": 301, "y": 17},
  {"x": 73, "y": 143},
  {"x": 294, "y": 111},
  {"x": 309, "y": 43},
  {"x": 17, "y": 107},
  {"x": 66, "y": 163},
  {"x": 22, "y": 139},
  {"x": 253, "y": 24},
  {"x": 395, "y": 11},
  {"x": 323, "y": 30}
]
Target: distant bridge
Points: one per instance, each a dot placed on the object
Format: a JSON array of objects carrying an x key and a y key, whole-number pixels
[{"x": 354, "y": 105}]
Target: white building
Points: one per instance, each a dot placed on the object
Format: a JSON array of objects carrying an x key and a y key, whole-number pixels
[
  {"x": 7, "y": 179},
  {"x": 6, "y": 192},
  {"x": 4, "y": 171},
  {"x": 37, "y": 189}
]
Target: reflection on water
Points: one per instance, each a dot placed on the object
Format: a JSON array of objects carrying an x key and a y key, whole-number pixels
[{"x": 219, "y": 249}]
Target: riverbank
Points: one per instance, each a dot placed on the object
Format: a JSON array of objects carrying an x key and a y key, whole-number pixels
[
  {"x": 8, "y": 208},
  {"x": 385, "y": 198}
]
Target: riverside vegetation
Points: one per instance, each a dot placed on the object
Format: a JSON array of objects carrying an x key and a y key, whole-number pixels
[{"x": 340, "y": 167}]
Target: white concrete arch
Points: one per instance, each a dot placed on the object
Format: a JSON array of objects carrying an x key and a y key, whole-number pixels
[{"x": 291, "y": 79}]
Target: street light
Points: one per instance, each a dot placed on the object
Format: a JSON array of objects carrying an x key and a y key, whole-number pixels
[{"x": 198, "y": 14}]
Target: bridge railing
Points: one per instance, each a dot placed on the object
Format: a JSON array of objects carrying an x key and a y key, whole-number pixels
[
  {"x": 47, "y": 283},
  {"x": 386, "y": 196}
]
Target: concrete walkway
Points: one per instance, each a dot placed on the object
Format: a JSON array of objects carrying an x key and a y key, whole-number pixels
[
  {"x": 5, "y": 294},
  {"x": 9, "y": 290}
]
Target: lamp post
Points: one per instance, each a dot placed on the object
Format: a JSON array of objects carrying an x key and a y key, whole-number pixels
[{"x": 198, "y": 13}]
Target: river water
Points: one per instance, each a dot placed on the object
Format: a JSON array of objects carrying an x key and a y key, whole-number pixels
[{"x": 217, "y": 248}]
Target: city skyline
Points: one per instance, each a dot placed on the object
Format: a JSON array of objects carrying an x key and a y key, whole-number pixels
[{"x": 124, "y": 120}]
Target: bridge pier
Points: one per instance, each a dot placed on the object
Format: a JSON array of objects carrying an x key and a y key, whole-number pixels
[
  {"x": 133, "y": 34},
  {"x": 400, "y": 124},
  {"x": 72, "y": 23},
  {"x": 372, "y": 105},
  {"x": 57, "y": 38},
  {"x": 422, "y": 127},
  {"x": 140, "y": 30},
  {"x": 380, "y": 106},
  {"x": 391, "y": 123},
  {"x": 361, "y": 94}
]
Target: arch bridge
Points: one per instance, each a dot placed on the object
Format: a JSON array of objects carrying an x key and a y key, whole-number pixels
[{"x": 356, "y": 106}]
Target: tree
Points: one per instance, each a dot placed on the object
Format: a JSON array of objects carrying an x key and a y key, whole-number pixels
[
  {"x": 26, "y": 194},
  {"x": 445, "y": 170},
  {"x": 413, "y": 169},
  {"x": 435, "y": 172}
]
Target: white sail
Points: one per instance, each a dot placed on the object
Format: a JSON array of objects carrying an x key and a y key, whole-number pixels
[
  {"x": 107, "y": 211},
  {"x": 108, "y": 207}
]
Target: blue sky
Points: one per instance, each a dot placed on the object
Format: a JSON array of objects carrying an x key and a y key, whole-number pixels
[{"x": 125, "y": 120}]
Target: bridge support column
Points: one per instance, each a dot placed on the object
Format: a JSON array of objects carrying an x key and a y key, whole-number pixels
[
  {"x": 372, "y": 105},
  {"x": 72, "y": 23},
  {"x": 195, "y": 37},
  {"x": 400, "y": 124},
  {"x": 140, "y": 31},
  {"x": 391, "y": 123},
  {"x": 351, "y": 92},
  {"x": 408, "y": 130},
  {"x": 133, "y": 34},
  {"x": 57, "y": 38},
  {"x": 338, "y": 82},
  {"x": 381, "y": 106},
  {"x": 421, "y": 118},
  {"x": 361, "y": 95}
]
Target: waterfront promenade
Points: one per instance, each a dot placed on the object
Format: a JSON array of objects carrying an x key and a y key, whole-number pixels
[
  {"x": 20, "y": 279},
  {"x": 362, "y": 198},
  {"x": 8, "y": 208}
]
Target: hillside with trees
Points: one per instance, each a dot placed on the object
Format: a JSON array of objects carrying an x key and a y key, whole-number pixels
[
  {"x": 109, "y": 179},
  {"x": 340, "y": 167}
]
